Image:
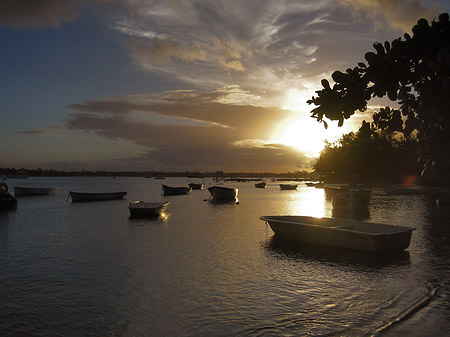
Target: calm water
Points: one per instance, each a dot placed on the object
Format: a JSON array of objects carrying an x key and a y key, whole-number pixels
[{"x": 209, "y": 269}]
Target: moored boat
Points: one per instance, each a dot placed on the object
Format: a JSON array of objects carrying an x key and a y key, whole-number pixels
[
  {"x": 261, "y": 185},
  {"x": 341, "y": 233},
  {"x": 332, "y": 190},
  {"x": 21, "y": 174},
  {"x": 79, "y": 196},
  {"x": 196, "y": 186},
  {"x": 352, "y": 200},
  {"x": 288, "y": 186},
  {"x": 143, "y": 208},
  {"x": 26, "y": 191},
  {"x": 169, "y": 190},
  {"x": 222, "y": 192},
  {"x": 7, "y": 201}
]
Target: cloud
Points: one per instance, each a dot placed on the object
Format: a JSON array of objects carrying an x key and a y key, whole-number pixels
[
  {"x": 397, "y": 14},
  {"x": 33, "y": 132},
  {"x": 41, "y": 13},
  {"x": 163, "y": 50},
  {"x": 199, "y": 133}
]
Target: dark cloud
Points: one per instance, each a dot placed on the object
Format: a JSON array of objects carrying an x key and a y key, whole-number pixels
[
  {"x": 41, "y": 13},
  {"x": 249, "y": 119},
  {"x": 231, "y": 136},
  {"x": 397, "y": 14},
  {"x": 32, "y": 132}
]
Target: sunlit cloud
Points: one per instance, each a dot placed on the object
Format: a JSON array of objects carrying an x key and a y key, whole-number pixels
[
  {"x": 224, "y": 83},
  {"x": 184, "y": 122}
]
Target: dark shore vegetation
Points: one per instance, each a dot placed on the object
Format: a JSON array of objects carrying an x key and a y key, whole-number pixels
[
  {"x": 413, "y": 139},
  {"x": 39, "y": 172}
]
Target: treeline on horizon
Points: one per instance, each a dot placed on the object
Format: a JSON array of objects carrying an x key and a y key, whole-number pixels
[{"x": 39, "y": 172}]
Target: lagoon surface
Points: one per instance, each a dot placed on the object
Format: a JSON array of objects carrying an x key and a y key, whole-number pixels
[{"x": 212, "y": 269}]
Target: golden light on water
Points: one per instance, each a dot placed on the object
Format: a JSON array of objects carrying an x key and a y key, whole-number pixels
[{"x": 311, "y": 201}]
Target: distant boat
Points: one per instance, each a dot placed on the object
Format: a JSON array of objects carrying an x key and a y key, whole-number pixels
[
  {"x": 261, "y": 185},
  {"x": 79, "y": 197},
  {"x": 7, "y": 201},
  {"x": 143, "y": 208},
  {"x": 18, "y": 175},
  {"x": 169, "y": 190},
  {"x": 331, "y": 190},
  {"x": 222, "y": 192},
  {"x": 196, "y": 186},
  {"x": 341, "y": 233},
  {"x": 26, "y": 191},
  {"x": 159, "y": 177},
  {"x": 288, "y": 186},
  {"x": 352, "y": 200}
]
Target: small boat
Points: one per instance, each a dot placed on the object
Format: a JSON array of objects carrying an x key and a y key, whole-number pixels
[
  {"x": 25, "y": 191},
  {"x": 196, "y": 186},
  {"x": 168, "y": 190},
  {"x": 261, "y": 185},
  {"x": 341, "y": 233},
  {"x": 78, "y": 196},
  {"x": 19, "y": 175},
  {"x": 222, "y": 192},
  {"x": 352, "y": 200},
  {"x": 332, "y": 190},
  {"x": 143, "y": 208},
  {"x": 288, "y": 186},
  {"x": 160, "y": 177},
  {"x": 7, "y": 201}
]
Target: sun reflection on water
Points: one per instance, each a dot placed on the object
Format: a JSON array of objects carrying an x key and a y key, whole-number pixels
[{"x": 311, "y": 201}]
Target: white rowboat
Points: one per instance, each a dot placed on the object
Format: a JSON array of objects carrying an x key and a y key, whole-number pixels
[
  {"x": 142, "y": 208},
  {"x": 21, "y": 191},
  {"x": 341, "y": 233},
  {"x": 221, "y": 192}
]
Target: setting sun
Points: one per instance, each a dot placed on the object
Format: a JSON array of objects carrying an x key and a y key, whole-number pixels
[{"x": 299, "y": 130}]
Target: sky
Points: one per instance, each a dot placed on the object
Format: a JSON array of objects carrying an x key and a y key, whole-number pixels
[{"x": 173, "y": 85}]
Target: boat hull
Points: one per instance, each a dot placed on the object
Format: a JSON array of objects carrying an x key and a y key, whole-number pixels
[
  {"x": 141, "y": 208},
  {"x": 260, "y": 185},
  {"x": 7, "y": 201},
  {"x": 26, "y": 191},
  {"x": 288, "y": 186},
  {"x": 168, "y": 190},
  {"x": 196, "y": 186},
  {"x": 352, "y": 201},
  {"x": 81, "y": 197},
  {"x": 341, "y": 233},
  {"x": 221, "y": 192}
]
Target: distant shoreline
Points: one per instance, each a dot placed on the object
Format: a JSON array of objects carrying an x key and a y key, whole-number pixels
[{"x": 13, "y": 173}]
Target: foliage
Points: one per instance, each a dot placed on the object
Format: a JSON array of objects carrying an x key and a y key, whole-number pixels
[
  {"x": 371, "y": 155},
  {"x": 415, "y": 73}
]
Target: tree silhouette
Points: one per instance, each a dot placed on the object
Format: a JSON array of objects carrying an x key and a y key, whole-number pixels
[{"x": 413, "y": 71}]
